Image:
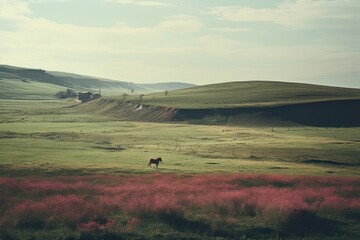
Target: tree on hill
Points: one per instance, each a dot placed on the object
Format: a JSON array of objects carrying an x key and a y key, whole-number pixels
[{"x": 69, "y": 93}]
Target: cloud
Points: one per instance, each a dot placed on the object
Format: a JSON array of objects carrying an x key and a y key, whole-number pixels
[
  {"x": 10, "y": 9},
  {"x": 230, "y": 30},
  {"x": 145, "y": 3},
  {"x": 34, "y": 41},
  {"x": 298, "y": 13},
  {"x": 45, "y": 1},
  {"x": 28, "y": 30},
  {"x": 184, "y": 47},
  {"x": 180, "y": 24}
]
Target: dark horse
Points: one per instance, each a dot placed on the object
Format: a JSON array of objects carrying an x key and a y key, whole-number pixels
[{"x": 154, "y": 161}]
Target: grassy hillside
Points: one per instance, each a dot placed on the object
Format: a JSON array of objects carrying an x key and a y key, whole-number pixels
[
  {"x": 13, "y": 87},
  {"x": 249, "y": 94},
  {"x": 168, "y": 86},
  {"x": 256, "y": 103},
  {"x": 77, "y": 82},
  {"x": 66, "y": 79}
]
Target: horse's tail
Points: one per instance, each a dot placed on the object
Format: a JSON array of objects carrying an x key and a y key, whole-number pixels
[{"x": 149, "y": 163}]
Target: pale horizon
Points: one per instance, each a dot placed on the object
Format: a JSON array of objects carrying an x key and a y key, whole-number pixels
[{"x": 202, "y": 42}]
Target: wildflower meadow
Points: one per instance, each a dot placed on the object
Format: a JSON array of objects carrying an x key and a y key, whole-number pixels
[{"x": 182, "y": 205}]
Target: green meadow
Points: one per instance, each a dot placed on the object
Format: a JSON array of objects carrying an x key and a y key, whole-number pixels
[{"x": 51, "y": 137}]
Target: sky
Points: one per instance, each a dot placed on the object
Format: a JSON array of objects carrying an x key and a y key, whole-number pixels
[{"x": 193, "y": 41}]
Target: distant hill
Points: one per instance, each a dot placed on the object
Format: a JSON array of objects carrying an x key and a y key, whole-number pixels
[
  {"x": 249, "y": 94},
  {"x": 28, "y": 83},
  {"x": 169, "y": 86},
  {"x": 248, "y": 103}
]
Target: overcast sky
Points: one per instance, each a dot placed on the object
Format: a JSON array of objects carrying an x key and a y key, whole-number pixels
[{"x": 194, "y": 41}]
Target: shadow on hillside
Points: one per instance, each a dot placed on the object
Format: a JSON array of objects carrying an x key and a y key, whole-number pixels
[
  {"x": 336, "y": 113},
  {"x": 329, "y": 162}
]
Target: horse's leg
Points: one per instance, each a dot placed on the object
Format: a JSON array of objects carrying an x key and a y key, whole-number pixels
[{"x": 157, "y": 165}]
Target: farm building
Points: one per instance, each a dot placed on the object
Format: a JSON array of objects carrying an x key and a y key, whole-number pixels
[
  {"x": 84, "y": 96},
  {"x": 96, "y": 95}
]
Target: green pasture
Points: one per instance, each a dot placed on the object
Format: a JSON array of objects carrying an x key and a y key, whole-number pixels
[
  {"x": 51, "y": 138},
  {"x": 17, "y": 88}
]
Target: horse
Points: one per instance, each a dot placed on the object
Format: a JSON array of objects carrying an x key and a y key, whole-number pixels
[{"x": 154, "y": 161}]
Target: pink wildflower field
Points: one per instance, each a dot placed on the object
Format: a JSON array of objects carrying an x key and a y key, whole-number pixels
[{"x": 124, "y": 203}]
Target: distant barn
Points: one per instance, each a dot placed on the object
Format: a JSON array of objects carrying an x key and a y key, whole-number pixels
[
  {"x": 84, "y": 96},
  {"x": 96, "y": 95}
]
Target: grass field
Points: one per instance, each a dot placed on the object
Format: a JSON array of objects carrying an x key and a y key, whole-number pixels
[
  {"x": 213, "y": 183},
  {"x": 49, "y": 134}
]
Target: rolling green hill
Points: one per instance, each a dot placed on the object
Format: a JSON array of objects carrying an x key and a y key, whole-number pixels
[
  {"x": 249, "y": 94},
  {"x": 257, "y": 102},
  {"x": 14, "y": 87}
]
